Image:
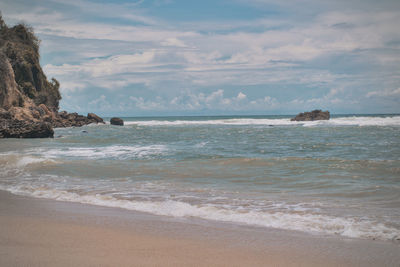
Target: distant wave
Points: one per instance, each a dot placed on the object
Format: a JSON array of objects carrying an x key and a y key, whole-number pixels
[{"x": 341, "y": 121}]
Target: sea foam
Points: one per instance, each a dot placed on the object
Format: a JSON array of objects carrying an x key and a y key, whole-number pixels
[
  {"x": 306, "y": 222},
  {"x": 340, "y": 121},
  {"x": 114, "y": 151}
]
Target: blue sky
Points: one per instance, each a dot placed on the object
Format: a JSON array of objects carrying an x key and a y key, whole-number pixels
[{"x": 177, "y": 57}]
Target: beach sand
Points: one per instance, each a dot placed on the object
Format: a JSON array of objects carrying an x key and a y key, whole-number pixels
[{"x": 39, "y": 232}]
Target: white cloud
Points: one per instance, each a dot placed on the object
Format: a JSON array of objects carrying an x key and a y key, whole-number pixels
[
  {"x": 142, "y": 104},
  {"x": 385, "y": 93},
  {"x": 71, "y": 87},
  {"x": 214, "y": 96},
  {"x": 100, "y": 103},
  {"x": 173, "y": 42},
  {"x": 99, "y": 67},
  {"x": 212, "y": 101},
  {"x": 111, "y": 32},
  {"x": 241, "y": 96}
]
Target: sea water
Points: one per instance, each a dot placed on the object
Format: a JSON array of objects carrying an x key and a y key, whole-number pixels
[{"x": 336, "y": 177}]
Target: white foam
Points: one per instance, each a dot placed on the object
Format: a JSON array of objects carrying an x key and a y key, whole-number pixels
[
  {"x": 201, "y": 144},
  {"x": 214, "y": 122},
  {"x": 341, "y": 121},
  {"x": 357, "y": 121},
  {"x": 117, "y": 151},
  {"x": 301, "y": 221},
  {"x": 11, "y": 160},
  {"x": 28, "y": 160},
  {"x": 368, "y": 121}
]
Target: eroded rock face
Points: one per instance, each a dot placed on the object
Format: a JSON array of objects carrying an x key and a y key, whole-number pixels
[
  {"x": 21, "y": 129},
  {"x": 312, "y": 116},
  {"x": 9, "y": 93},
  {"x": 29, "y": 103},
  {"x": 65, "y": 119},
  {"x": 117, "y": 121},
  {"x": 94, "y": 117}
]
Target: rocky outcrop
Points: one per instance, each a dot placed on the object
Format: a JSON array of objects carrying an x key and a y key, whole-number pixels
[
  {"x": 29, "y": 103},
  {"x": 312, "y": 116},
  {"x": 117, "y": 121},
  {"x": 95, "y": 118},
  {"x": 20, "y": 129},
  {"x": 65, "y": 119}
]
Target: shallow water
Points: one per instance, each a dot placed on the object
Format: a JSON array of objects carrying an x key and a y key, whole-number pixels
[{"x": 340, "y": 176}]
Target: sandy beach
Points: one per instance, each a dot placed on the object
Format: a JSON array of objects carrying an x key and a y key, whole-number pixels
[{"x": 38, "y": 232}]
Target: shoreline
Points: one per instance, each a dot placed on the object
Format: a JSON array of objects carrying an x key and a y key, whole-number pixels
[{"x": 42, "y": 232}]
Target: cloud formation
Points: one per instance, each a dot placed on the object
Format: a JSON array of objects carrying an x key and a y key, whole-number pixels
[
  {"x": 384, "y": 93},
  {"x": 153, "y": 57}
]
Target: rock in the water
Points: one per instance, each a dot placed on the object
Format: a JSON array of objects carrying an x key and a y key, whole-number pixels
[
  {"x": 22, "y": 129},
  {"x": 95, "y": 118},
  {"x": 117, "y": 121},
  {"x": 65, "y": 119},
  {"x": 312, "y": 116}
]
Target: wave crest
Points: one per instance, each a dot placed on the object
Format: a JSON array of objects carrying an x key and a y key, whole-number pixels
[
  {"x": 300, "y": 221},
  {"x": 341, "y": 121}
]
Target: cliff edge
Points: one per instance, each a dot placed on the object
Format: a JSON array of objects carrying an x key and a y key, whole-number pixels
[{"x": 29, "y": 103}]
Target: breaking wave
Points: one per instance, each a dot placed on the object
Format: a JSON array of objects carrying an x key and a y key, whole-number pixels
[
  {"x": 299, "y": 221},
  {"x": 115, "y": 151},
  {"x": 341, "y": 121}
]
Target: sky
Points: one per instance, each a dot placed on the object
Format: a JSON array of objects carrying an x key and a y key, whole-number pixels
[{"x": 218, "y": 57}]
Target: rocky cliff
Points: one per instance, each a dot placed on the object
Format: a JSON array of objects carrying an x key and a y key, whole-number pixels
[{"x": 29, "y": 103}]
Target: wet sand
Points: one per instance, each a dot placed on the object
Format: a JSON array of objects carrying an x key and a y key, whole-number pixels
[{"x": 39, "y": 232}]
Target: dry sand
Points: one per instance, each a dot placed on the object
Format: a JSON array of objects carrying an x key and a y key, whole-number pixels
[{"x": 38, "y": 232}]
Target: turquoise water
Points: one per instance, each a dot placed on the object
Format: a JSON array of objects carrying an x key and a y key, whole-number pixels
[{"x": 336, "y": 177}]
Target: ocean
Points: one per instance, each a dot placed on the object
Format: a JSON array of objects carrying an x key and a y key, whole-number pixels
[{"x": 337, "y": 177}]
